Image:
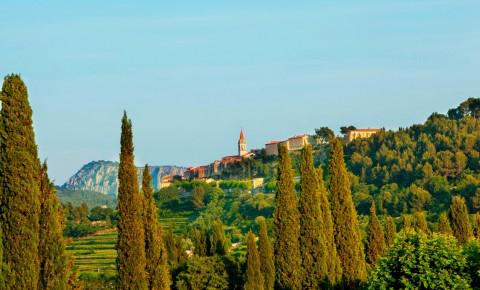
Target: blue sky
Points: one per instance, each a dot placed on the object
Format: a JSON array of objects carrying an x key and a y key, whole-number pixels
[{"x": 192, "y": 73}]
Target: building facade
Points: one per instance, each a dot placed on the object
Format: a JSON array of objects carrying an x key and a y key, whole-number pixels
[{"x": 360, "y": 133}]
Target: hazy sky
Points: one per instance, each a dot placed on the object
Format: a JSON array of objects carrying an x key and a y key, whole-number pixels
[{"x": 191, "y": 74}]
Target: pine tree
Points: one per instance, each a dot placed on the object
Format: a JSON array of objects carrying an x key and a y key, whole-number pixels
[
  {"x": 254, "y": 278},
  {"x": 155, "y": 252},
  {"x": 334, "y": 266},
  {"x": 286, "y": 223},
  {"x": 346, "y": 231},
  {"x": 476, "y": 225},
  {"x": 312, "y": 240},
  {"x": 459, "y": 220},
  {"x": 390, "y": 231},
  {"x": 51, "y": 249},
  {"x": 20, "y": 191},
  {"x": 376, "y": 238},
  {"x": 131, "y": 262},
  {"x": 265, "y": 250},
  {"x": 421, "y": 224},
  {"x": 444, "y": 224}
]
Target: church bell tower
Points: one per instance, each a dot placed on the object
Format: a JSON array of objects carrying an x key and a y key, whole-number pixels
[{"x": 242, "y": 144}]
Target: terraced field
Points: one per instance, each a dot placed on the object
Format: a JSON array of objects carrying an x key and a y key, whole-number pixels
[{"x": 95, "y": 255}]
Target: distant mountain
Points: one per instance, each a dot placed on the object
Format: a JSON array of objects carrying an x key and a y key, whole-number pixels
[{"x": 101, "y": 176}]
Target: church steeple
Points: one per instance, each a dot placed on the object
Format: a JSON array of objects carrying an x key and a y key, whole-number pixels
[{"x": 242, "y": 144}]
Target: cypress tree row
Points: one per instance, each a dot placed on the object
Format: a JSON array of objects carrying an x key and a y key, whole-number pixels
[
  {"x": 131, "y": 262},
  {"x": 444, "y": 224},
  {"x": 155, "y": 252},
  {"x": 376, "y": 238},
  {"x": 51, "y": 249},
  {"x": 20, "y": 191},
  {"x": 459, "y": 220},
  {"x": 287, "y": 227},
  {"x": 312, "y": 241},
  {"x": 421, "y": 224},
  {"x": 2, "y": 267},
  {"x": 265, "y": 250},
  {"x": 254, "y": 278},
  {"x": 390, "y": 231},
  {"x": 346, "y": 231},
  {"x": 334, "y": 266}
]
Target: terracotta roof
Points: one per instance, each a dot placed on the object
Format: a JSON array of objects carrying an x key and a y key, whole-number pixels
[
  {"x": 273, "y": 142},
  {"x": 298, "y": 136}
]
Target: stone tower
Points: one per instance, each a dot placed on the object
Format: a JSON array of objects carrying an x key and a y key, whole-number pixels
[{"x": 242, "y": 144}]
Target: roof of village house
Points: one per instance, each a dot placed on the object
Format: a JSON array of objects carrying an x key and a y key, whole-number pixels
[
  {"x": 298, "y": 136},
  {"x": 273, "y": 142}
]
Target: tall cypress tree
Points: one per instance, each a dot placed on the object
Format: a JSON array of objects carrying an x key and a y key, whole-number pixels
[
  {"x": 376, "y": 238},
  {"x": 219, "y": 244},
  {"x": 155, "y": 252},
  {"x": 459, "y": 220},
  {"x": 287, "y": 227},
  {"x": 476, "y": 225},
  {"x": 444, "y": 224},
  {"x": 267, "y": 267},
  {"x": 254, "y": 278},
  {"x": 390, "y": 231},
  {"x": 312, "y": 240},
  {"x": 2, "y": 267},
  {"x": 20, "y": 191},
  {"x": 346, "y": 231},
  {"x": 131, "y": 262},
  {"x": 406, "y": 222},
  {"x": 51, "y": 249},
  {"x": 334, "y": 266},
  {"x": 421, "y": 224}
]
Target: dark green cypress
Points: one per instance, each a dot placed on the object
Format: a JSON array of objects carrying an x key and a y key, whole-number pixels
[
  {"x": 390, "y": 231},
  {"x": 334, "y": 266},
  {"x": 312, "y": 239},
  {"x": 131, "y": 262},
  {"x": 155, "y": 252},
  {"x": 267, "y": 267},
  {"x": 376, "y": 238},
  {"x": 254, "y": 278},
  {"x": 219, "y": 244},
  {"x": 2, "y": 266},
  {"x": 406, "y": 222},
  {"x": 286, "y": 221},
  {"x": 459, "y": 220},
  {"x": 20, "y": 191},
  {"x": 444, "y": 224},
  {"x": 51, "y": 249},
  {"x": 346, "y": 231},
  {"x": 199, "y": 239}
]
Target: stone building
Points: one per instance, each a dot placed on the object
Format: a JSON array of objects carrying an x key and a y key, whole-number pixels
[
  {"x": 293, "y": 143},
  {"x": 360, "y": 133}
]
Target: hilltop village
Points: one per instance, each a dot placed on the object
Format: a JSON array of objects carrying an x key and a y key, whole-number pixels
[{"x": 295, "y": 143}]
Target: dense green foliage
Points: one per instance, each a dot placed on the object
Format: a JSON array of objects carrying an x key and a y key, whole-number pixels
[
  {"x": 131, "y": 262},
  {"x": 287, "y": 227},
  {"x": 444, "y": 224},
  {"x": 253, "y": 276},
  {"x": 20, "y": 191},
  {"x": 376, "y": 238},
  {"x": 155, "y": 252},
  {"x": 203, "y": 273},
  {"x": 51, "y": 248},
  {"x": 417, "y": 262},
  {"x": 313, "y": 247},
  {"x": 458, "y": 214},
  {"x": 265, "y": 250},
  {"x": 346, "y": 231}
]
